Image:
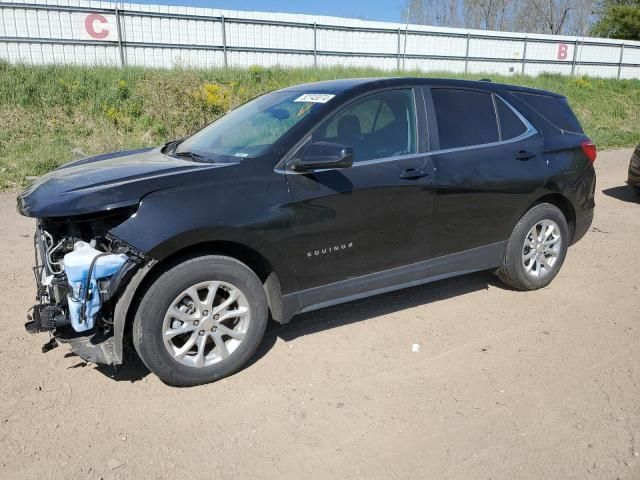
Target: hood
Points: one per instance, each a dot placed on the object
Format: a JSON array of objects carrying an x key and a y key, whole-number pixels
[{"x": 105, "y": 182}]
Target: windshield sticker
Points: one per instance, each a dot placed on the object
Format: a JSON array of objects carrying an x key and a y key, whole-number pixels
[{"x": 315, "y": 97}]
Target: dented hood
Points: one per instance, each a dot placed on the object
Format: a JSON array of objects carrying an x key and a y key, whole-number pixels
[{"x": 105, "y": 182}]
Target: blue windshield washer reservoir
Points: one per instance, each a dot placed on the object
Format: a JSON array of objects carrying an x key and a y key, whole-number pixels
[{"x": 76, "y": 267}]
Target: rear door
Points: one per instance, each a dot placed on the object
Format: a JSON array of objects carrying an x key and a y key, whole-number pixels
[{"x": 489, "y": 164}]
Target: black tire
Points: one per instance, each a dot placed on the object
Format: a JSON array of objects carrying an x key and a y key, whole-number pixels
[
  {"x": 149, "y": 318},
  {"x": 512, "y": 271}
]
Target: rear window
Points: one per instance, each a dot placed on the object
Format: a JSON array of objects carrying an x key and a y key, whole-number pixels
[
  {"x": 464, "y": 117},
  {"x": 554, "y": 109}
]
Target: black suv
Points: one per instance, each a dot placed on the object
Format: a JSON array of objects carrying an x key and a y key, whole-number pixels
[{"x": 302, "y": 198}]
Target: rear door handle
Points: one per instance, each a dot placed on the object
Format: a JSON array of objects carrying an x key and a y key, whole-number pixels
[
  {"x": 524, "y": 155},
  {"x": 412, "y": 174}
]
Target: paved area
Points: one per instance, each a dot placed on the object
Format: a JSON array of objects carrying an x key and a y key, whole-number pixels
[{"x": 505, "y": 385}]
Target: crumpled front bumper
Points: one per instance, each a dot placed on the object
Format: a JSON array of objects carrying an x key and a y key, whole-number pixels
[{"x": 99, "y": 345}]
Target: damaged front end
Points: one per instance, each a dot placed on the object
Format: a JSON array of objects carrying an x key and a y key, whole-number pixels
[
  {"x": 86, "y": 275},
  {"x": 81, "y": 271}
]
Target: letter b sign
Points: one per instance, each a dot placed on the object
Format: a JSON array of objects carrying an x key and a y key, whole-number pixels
[{"x": 563, "y": 51}]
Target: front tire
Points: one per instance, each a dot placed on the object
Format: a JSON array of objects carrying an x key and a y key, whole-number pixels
[
  {"x": 200, "y": 321},
  {"x": 536, "y": 249}
]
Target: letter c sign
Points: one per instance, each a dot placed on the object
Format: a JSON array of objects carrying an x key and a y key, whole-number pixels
[
  {"x": 563, "y": 51},
  {"x": 94, "y": 25}
]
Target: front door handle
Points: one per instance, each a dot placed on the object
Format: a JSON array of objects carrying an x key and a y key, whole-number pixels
[
  {"x": 413, "y": 173},
  {"x": 524, "y": 155}
]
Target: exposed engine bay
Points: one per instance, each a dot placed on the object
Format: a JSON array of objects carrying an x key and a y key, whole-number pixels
[{"x": 80, "y": 271}]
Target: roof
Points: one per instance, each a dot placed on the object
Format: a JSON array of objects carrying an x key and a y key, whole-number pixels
[{"x": 363, "y": 84}]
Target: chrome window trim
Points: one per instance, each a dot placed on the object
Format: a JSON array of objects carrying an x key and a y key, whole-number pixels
[
  {"x": 289, "y": 171},
  {"x": 529, "y": 132}
]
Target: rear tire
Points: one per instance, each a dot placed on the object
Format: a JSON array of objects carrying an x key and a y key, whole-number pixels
[
  {"x": 536, "y": 249},
  {"x": 200, "y": 321}
]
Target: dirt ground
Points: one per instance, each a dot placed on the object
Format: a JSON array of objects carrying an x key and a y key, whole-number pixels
[{"x": 505, "y": 385}]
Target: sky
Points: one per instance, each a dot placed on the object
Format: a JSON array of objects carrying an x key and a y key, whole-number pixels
[{"x": 385, "y": 10}]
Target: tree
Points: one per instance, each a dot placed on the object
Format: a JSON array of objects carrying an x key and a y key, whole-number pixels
[
  {"x": 552, "y": 13},
  {"x": 570, "y": 17},
  {"x": 618, "y": 19},
  {"x": 486, "y": 14},
  {"x": 433, "y": 12}
]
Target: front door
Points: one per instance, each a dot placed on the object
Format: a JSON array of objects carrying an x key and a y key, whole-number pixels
[{"x": 373, "y": 216}]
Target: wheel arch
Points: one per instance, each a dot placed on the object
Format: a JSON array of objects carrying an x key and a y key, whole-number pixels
[
  {"x": 563, "y": 204},
  {"x": 252, "y": 258},
  {"x": 126, "y": 306}
]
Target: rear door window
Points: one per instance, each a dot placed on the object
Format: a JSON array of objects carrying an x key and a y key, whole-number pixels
[
  {"x": 464, "y": 117},
  {"x": 510, "y": 125},
  {"x": 554, "y": 109}
]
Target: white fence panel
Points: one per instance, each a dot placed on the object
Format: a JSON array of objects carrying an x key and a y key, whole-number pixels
[
  {"x": 630, "y": 72},
  {"x": 92, "y": 32},
  {"x": 357, "y": 41},
  {"x": 435, "y": 65},
  {"x": 425, "y": 44},
  {"x": 597, "y": 70},
  {"x": 631, "y": 55},
  {"x": 507, "y": 49},
  {"x": 500, "y": 68},
  {"x": 599, "y": 53},
  {"x": 268, "y": 36},
  {"x": 241, "y": 59}
]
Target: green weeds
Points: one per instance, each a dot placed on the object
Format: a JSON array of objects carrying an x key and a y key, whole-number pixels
[{"x": 46, "y": 112}]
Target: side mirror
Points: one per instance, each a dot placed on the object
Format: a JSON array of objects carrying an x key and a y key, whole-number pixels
[{"x": 320, "y": 155}]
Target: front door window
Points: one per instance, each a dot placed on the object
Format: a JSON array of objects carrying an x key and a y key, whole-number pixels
[{"x": 378, "y": 126}]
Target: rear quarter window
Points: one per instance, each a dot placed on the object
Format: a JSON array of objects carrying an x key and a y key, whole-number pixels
[
  {"x": 555, "y": 110},
  {"x": 510, "y": 125}
]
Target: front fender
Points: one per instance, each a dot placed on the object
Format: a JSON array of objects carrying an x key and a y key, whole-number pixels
[{"x": 252, "y": 213}]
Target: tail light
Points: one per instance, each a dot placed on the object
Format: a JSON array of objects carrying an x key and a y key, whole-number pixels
[{"x": 590, "y": 150}]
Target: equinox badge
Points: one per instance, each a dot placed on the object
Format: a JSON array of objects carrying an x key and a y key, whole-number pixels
[{"x": 332, "y": 249}]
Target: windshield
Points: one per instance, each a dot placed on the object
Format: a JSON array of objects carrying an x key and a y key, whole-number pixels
[{"x": 250, "y": 130}]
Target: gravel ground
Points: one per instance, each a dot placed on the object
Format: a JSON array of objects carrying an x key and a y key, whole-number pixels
[{"x": 504, "y": 385}]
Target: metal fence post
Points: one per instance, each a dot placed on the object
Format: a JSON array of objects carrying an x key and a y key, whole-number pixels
[
  {"x": 404, "y": 48},
  {"x": 620, "y": 61},
  {"x": 575, "y": 55},
  {"x": 224, "y": 41},
  {"x": 398, "y": 55},
  {"x": 119, "y": 29},
  {"x": 315, "y": 45},
  {"x": 466, "y": 54},
  {"x": 524, "y": 54}
]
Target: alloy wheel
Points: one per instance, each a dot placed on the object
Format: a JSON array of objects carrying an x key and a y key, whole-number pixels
[
  {"x": 206, "y": 323},
  {"x": 542, "y": 248}
]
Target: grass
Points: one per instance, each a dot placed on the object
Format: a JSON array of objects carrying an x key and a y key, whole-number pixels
[{"x": 48, "y": 113}]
